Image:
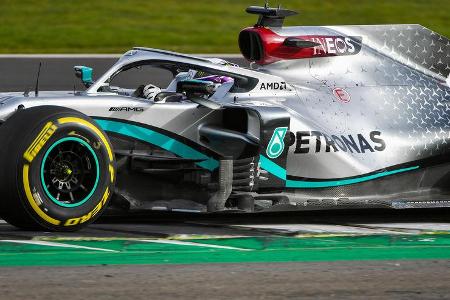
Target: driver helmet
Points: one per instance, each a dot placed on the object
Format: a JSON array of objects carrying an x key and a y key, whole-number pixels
[
  {"x": 216, "y": 79},
  {"x": 150, "y": 91}
]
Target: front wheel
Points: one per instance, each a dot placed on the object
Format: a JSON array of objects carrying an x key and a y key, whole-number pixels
[{"x": 57, "y": 169}]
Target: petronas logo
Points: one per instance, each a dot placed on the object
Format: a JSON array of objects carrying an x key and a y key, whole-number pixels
[{"x": 276, "y": 144}]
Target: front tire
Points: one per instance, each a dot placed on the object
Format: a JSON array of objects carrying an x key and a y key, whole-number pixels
[{"x": 57, "y": 169}]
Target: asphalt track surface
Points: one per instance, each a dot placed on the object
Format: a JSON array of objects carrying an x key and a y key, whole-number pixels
[
  {"x": 354, "y": 254},
  {"x": 371, "y": 254},
  {"x": 323, "y": 280},
  {"x": 18, "y": 72}
]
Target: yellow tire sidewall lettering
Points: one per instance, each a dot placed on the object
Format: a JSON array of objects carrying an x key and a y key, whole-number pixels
[
  {"x": 111, "y": 173},
  {"x": 44, "y": 135},
  {"x": 30, "y": 154},
  {"x": 91, "y": 214},
  {"x": 33, "y": 203},
  {"x": 93, "y": 128},
  {"x": 32, "y": 196}
]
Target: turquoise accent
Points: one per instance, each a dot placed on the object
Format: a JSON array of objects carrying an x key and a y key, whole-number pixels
[
  {"x": 280, "y": 172},
  {"x": 56, "y": 201},
  {"x": 158, "y": 139},
  {"x": 182, "y": 150},
  {"x": 272, "y": 167},
  {"x": 86, "y": 74},
  {"x": 276, "y": 144}
]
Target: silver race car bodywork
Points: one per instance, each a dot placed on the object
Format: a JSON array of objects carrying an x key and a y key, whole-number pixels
[{"x": 339, "y": 116}]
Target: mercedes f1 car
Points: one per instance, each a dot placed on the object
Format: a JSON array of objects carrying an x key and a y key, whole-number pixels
[{"x": 325, "y": 117}]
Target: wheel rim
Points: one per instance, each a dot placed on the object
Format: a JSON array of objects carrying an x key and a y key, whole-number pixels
[{"x": 70, "y": 172}]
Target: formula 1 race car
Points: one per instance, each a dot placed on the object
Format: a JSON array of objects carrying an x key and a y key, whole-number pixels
[{"x": 325, "y": 117}]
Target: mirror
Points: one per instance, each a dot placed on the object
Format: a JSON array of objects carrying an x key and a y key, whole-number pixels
[{"x": 85, "y": 74}]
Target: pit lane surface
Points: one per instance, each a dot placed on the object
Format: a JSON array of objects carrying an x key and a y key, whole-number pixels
[{"x": 314, "y": 255}]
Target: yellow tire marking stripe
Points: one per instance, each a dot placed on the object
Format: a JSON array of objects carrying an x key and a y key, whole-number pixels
[
  {"x": 42, "y": 138},
  {"x": 111, "y": 172},
  {"x": 36, "y": 208},
  {"x": 41, "y": 134},
  {"x": 91, "y": 214},
  {"x": 92, "y": 127}
]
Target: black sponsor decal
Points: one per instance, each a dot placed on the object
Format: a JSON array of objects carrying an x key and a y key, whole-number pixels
[
  {"x": 273, "y": 86},
  {"x": 315, "y": 142},
  {"x": 126, "y": 108}
]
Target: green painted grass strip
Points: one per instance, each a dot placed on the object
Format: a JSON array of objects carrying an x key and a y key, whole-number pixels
[{"x": 263, "y": 249}]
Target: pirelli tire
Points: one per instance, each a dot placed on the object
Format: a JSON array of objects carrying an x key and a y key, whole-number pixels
[{"x": 57, "y": 169}]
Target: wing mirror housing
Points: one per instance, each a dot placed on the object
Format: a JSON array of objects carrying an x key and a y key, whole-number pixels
[{"x": 85, "y": 74}]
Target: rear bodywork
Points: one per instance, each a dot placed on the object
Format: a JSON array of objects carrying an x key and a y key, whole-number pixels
[{"x": 341, "y": 116}]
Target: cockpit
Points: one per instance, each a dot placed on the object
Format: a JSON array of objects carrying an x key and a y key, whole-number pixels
[{"x": 169, "y": 81}]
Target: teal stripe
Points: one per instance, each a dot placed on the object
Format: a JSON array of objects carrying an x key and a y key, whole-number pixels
[
  {"x": 280, "y": 172},
  {"x": 272, "y": 167},
  {"x": 158, "y": 139},
  {"x": 182, "y": 150}
]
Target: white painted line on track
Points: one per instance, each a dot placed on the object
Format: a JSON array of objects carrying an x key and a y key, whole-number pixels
[
  {"x": 319, "y": 228},
  {"x": 182, "y": 243},
  {"x": 52, "y": 244},
  {"x": 411, "y": 226}
]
